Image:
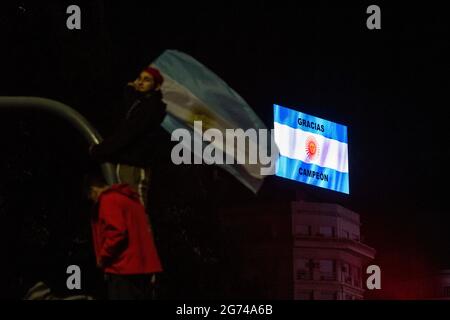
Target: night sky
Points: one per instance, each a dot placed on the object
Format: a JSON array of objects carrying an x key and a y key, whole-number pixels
[{"x": 389, "y": 86}]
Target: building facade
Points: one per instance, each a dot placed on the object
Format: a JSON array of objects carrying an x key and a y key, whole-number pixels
[
  {"x": 295, "y": 250},
  {"x": 329, "y": 258}
]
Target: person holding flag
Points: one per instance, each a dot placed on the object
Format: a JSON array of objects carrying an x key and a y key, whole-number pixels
[{"x": 132, "y": 146}]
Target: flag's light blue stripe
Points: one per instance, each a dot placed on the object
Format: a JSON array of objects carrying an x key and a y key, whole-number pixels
[
  {"x": 291, "y": 118},
  {"x": 290, "y": 168},
  {"x": 209, "y": 88}
]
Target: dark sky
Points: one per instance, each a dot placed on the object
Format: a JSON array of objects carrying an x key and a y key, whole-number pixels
[{"x": 389, "y": 86}]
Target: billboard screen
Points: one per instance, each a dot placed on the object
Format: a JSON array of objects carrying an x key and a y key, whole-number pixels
[{"x": 312, "y": 150}]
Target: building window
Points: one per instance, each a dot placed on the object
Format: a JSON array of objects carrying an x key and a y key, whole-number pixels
[
  {"x": 302, "y": 230},
  {"x": 346, "y": 234},
  {"x": 348, "y": 278},
  {"x": 327, "y": 270},
  {"x": 357, "y": 277},
  {"x": 305, "y": 295},
  {"x": 355, "y": 237},
  {"x": 446, "y": 292},
  {"x": 349, "y": 297},
  {"x": 304, "y": 269},
  {"x": 328, "y": 295},
  {"x": 346, "y": 273},
  {"x": 326, "y": 232},
  {"x": 345, "y": 268}
]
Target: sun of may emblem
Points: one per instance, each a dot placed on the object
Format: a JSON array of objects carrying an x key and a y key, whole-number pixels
[{"x": 312, "y": 149}]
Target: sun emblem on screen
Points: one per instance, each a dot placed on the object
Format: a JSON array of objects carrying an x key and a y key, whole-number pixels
[{"x": 312, "y": 148}]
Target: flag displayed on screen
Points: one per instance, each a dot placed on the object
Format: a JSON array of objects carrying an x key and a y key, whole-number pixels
[{"x": 312, "y": 150}]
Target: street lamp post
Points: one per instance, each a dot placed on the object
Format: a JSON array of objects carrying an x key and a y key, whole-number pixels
[{"x": 67, "y": 113}]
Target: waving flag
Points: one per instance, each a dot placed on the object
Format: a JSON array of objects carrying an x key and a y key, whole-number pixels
[
  {"x": 312, "y": 150},
  {"x": 194, "y": 93}
]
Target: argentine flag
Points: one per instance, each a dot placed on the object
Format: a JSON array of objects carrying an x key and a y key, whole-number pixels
[
  {"x": 312, "y": 150},
  {"x": 192, "y": 92}
]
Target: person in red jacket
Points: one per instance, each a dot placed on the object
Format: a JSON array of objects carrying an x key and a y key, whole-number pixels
[{"x": 123, "y": 240}]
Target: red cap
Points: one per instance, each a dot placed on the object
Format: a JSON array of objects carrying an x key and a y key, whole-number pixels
[{"x": 156, "y": 75}]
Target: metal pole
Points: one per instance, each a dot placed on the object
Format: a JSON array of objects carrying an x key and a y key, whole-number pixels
[{"x": 67, "y": 113}]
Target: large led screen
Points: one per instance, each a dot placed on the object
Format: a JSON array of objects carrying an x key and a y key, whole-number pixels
[{"x": 312, "y": 150}]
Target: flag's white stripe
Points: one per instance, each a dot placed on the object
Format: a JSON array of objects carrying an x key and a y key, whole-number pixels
[
  {"x": 292, "y": 144},
  {"x": 185, "y": 106}
]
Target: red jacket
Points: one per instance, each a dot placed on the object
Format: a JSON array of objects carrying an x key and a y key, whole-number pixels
[{"x": 123, "y": 239}]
